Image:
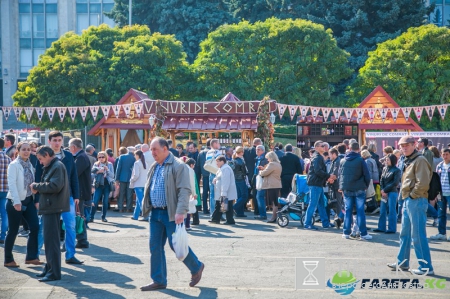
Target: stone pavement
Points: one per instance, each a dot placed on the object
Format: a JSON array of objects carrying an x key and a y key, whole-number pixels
[{"x": 250, "y": 260}]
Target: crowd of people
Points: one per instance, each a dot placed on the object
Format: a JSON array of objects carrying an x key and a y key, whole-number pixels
[{"x": 60, "y": 183}]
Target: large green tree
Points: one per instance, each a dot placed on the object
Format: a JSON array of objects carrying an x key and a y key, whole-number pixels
[
  {"x": 413, "y": 68},
  {"x": 189, "y": 20},
  {"x": 100, "y": 66},
  {"x": 293, "y": 61}
]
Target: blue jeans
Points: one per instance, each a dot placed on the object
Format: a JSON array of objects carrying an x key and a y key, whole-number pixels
[
  {"x": 40, "y": 236},
  {"x": 316, "y": 201},
  {"x": 442, "y": 214},
  {"x": 432, "y": 211},
  {"x": 101, "y": 192},
  {"x": 399, "y": 206},
  {"x": 139, "y": 197},
  {"x": 212, "y": 202},
  {"x": 414, "y": 222},
  {"x": 162, "y": 229},
  {"x": 261, "y": 200},
  {"x": 241, "y": 202},
  {"x": 392, "y": 219},
  {"x": 4, "y": 215},
  {"x": 358, "y": 199},
  {"x": 69, "y": 223}
]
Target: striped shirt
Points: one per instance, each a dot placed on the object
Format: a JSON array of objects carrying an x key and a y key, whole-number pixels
[
  {"x": 4, "y": 163},
  {"x": 157, "y": 190},
  {"x": 443, "y": 169}
]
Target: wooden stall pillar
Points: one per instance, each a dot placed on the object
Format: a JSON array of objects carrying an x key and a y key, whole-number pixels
[{"x": 103, "y": 139}]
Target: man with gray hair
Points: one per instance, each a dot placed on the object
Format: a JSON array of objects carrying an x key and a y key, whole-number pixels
[
  {"x": 147, "y": 154},
  {"x": 259, "y": 198},
  {"x": 138, "y": 147},
  {"x": 90, "y": 153},
  {"x": 124, "y": 170},
  {"x": 213, "y": 153}
]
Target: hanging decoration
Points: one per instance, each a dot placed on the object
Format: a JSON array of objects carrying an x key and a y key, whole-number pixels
[
  {"x": 29, "y": 112},
  {"x": 303, "y": 111},
  {"x": 6, "y": 112},
  {"x": 371, "y": 112},
  {"x": 40, "y": 112},
  {"x": 116, "y": 110},
  {"x": 17, "y": 111},
  {"x": 160, "y": 117},
  {"x": 51, "y": 112},
  {"x": 73, "y": 112},
  {"x": 337, "y": 113},
  {"x": 292, "y": 110},
  {"x": 442, "y": 110},
  {"x": 281, "y": 109},
  {"x": 430, "y": 111},
  {"x": 94, "y": 111},
  {"x": 265, "y": 127},
  {"x": 418, "y": 112},
  {"x": 406, "y": 112},
  {"x": 348, "y": 113},
  {"x": 127, "y": 109},
  {"x": 383, "y": 114},
  {"x": 138, "y": 108},
  {"x": 394, "y": 113},
  {"x": 359, "y": 114},
  {"x": 105, "y": 110},
  {"x": 83, "y": 112},
  {"x": 61, "y": 112}
]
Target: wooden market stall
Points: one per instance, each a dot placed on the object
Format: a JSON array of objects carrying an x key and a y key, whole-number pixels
[{"x": 204, "y": 119}]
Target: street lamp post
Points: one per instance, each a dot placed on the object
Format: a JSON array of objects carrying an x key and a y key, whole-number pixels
[{"x": 130, "y": 9}]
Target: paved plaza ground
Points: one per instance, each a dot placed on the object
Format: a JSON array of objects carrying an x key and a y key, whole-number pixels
[{"x": 249, "y": 260}]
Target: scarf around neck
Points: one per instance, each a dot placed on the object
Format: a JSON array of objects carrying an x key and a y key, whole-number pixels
[{"x": 28, "y": 174}]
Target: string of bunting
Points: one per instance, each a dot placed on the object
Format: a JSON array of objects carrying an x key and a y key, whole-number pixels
[{"x": 359, "y": 113}]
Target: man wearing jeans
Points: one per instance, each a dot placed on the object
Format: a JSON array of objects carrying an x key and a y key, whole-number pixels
[
  {"x": 414, "y": 189},
  {"x": 213, "y": 153},
  {"x": 317, "y": 176},
  {"x": 354, "y": 178},
  {"x": 166, "y": 195},
  {"x": 443, "y": 170},
  {"x": 4, "y": 162},
  {"x": 201, "y": 159},
  {"x": 260, "y": 163}
]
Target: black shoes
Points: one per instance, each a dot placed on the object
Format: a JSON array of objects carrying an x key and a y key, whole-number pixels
[
  {"x": 338, "y": 223},
  {"x": 46, "y": 279},
  {"x": 104, "y": 220},
  {"x": 213, "y": 221},
  {"x": 260, "y": 218},
  {"x": 229, "y": 223},
  {"x": 73, "y": 260},
  {"x": 82, "y": 245}
]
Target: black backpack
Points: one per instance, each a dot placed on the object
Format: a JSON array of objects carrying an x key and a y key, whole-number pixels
[{"x": 435, "y": 186}]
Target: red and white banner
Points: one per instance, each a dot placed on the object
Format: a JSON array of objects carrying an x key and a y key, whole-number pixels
[
  {"x": 29, "y": 112},
  {"x": 303, "y": 111},
  {"x": 116, "y": 110},
  {"x": 94, "y": 111},
  {"x": 292, "y": 110},
  {"x": 348, "y": 113},
  {"x": 383, "y": 113},
  {"x": 326, "y": 113},
  {"x": 430, "y": 111},
  {"x": 418, "y": 111},
  {"x": 51, "y": 112},
  {"x": 315, "y": 112},
  {"x": 394, "y": 113},
  {"x": 73, "y": 112},
  {"x": 138, "y": 108},
  {"x": 406, "y": 112},
  {"x": 281, "y": 109},
  {"x": 371, "y": 112},
  {"x": 61, "y": 112},
  {"x": 337, "y": 113},
  {"x": 83, "y": 112},
  {"x": 442, "y": 109},
  {"x": 105, "y": 110},
  {"x": 6, "y": 112},
  {"x": 40, "y": 112},
  {"x": 127, "y": 109},
  {"x": 359, "y": 114}
]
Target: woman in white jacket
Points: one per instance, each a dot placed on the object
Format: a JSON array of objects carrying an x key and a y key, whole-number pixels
[
  {"x": 21, "y": 204},
  {"x": 137, "y": 181},
  {"x": 224, "y": 191}
]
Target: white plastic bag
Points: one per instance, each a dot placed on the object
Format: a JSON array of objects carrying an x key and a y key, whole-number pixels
[
  {"x": 180, "y": 242},
  {"x": 192, "y": 203},
  {"x": 259, "y": 182}
]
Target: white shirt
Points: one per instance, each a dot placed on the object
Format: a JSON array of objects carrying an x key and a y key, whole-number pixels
[{"x": 149, "y": 158}]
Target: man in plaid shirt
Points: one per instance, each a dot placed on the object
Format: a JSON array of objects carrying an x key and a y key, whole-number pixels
[{"x": 4, "y": 162}]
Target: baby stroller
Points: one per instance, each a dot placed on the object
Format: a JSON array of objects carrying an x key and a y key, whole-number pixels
[{"x": 295, "y": 204}]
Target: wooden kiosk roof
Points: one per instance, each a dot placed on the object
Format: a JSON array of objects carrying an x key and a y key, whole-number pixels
[
  {"x": 229, "y": 114},
  {"x": 379, "y": 98}
]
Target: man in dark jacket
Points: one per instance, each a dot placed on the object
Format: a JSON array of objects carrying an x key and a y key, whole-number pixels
[
  {"x": 54, "y": 200},
  {"x": 290, "y": 164},
  {"x": 354, "y": 178},
  {"x": 201, "y": 159},
  {"x": 55, "y": 139},
  {"x": 317, "y": 177},
  {"x": 333, "y": 186},
  {"x": 171, "y": 149},
  {"x": 259, "y": 196},
  {"x": 250, "y": 156},
  {"x": 123, "y": 175},
  {"x": 83, "y": 165}
]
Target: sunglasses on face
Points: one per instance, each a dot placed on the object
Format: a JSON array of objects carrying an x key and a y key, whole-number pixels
[{"x": 102, "y": 157}]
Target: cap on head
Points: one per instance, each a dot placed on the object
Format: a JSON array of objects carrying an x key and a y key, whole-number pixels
[{"x": 406, "y": 139}]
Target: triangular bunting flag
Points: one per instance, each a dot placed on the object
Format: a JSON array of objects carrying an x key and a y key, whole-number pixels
[
  {"x": 6, "y": 112},
  {"x": 106, "y": 110},
  {"x": 430, "y": 111},
  {"x": 116, "y": 110},
  {"x": 281, "y": 109},
  {"x": 303, "y": 111},
  {"x": 138, "y": 108},
  {"x": 51, "y": 112},
  {"x": 326, "y": 113},
  {"x": 337, "y": 113},
  {"x": 292, "y": 110},
  {"x": 418, "y": 112},
  {"x": 83, "y": 112},
  {"x": 359, "y": 114},
  {"x": 383, "y": 114},
  {"x": 394, "y": 113},
  {"x": 73, "y": 112},
  {"x": 406, "y": 112},
  {"x": 40, "y": 112},
  {"x": 29, "y": 112},
  {"x": 348, "y": 113},
  {"x": 17, "y": 111},
  {"x": 314, "y": 112},
  {"x": 61, "y": 112},
  {"x": 94, "y": 111},
  {"x": 127, "y": 109},
  {"x": 371, "y": 112},
  {"x": 442, "y": 110}
]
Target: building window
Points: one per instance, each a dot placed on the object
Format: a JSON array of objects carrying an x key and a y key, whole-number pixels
[
  {"x": 91, "y": 13},
  {"x": 38, "y": 28}
]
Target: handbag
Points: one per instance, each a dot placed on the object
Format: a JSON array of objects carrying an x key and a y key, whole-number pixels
[
  {"x": 224, "y": 205},
  {"x": 211, "y": 166},
  {"x": 259, "y": 182},
  {"x": 370, "y": 192},
  {"x": 192, "y": 203}
]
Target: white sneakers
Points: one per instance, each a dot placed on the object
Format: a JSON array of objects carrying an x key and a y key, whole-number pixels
[
  {"x": 345, "y": 236},
  {"x": 357, "y": 237},
  {"x": 439, "y": 237},
  {"x": 366, "y": 237},
  {"x": 421, "y": 272}
]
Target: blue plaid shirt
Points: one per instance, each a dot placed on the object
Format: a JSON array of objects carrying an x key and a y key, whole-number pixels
[
  {"x": 4, "y": 163},
  {"x": 157, "y": 190}
]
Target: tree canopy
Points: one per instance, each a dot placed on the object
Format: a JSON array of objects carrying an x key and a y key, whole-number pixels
[
  {"x": 413, "y": 68},
  {"x": 100, "y": 66},
  {"x": 293, "y": 61}
]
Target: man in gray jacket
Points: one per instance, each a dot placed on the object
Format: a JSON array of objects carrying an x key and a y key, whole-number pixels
[{"x": 166, "y": 195}]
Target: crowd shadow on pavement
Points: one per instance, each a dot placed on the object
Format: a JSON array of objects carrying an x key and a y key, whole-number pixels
[
  {"x": 212, "y": 231},
  {"x": 104, "y": 254},
  {"x": 205, "y": 293}
]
